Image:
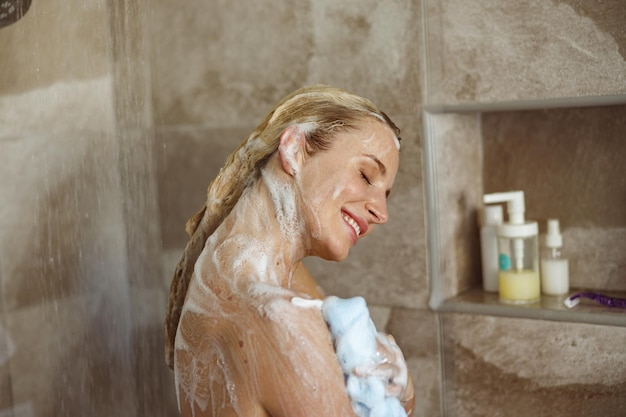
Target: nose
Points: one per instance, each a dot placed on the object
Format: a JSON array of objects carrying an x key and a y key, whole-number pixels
[{"x": 377, "y": 209}]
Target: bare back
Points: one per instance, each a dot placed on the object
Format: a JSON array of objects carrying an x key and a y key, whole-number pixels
[{"x": 271, "y": 358}]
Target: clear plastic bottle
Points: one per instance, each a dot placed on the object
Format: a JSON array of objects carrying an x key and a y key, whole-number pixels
[{"x": 554, "y": 266}]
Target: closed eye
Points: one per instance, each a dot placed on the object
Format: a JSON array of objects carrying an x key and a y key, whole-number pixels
[{"x": 367, "y": 180}]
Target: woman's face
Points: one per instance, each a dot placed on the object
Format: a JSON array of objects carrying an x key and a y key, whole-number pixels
[{"x": 344, "y": 189}]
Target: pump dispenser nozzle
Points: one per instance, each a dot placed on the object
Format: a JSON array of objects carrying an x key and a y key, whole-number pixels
[
  {"x": 515, "y": 204},
  {"x": 554, "y": 238}
]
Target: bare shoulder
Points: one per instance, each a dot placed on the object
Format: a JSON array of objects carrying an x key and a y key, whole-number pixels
[{"x": 301, "y": 375}]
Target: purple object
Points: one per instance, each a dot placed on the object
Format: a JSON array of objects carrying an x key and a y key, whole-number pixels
[{"x": 605, "y": 300}]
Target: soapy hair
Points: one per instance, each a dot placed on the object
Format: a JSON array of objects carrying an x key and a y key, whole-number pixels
[{"x": 321, "y": 112}]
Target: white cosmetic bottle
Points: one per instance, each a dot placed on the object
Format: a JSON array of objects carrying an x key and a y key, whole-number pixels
[
  {"x": 492, "y": 218},
  {"x": 518, "y": 258},
  {"x": 554, "y": 267}
]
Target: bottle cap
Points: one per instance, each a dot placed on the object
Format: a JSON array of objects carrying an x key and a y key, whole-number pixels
[
  {"x": 512, "y": 231},
  {"x": 554, "y": 238},
  {"x": 492, "y": 215}
]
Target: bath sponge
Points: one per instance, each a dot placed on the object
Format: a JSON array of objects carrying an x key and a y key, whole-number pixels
[{"x": 354, "y": 336}]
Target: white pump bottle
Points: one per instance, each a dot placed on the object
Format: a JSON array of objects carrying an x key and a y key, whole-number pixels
[{"x": 518, "y": 258}]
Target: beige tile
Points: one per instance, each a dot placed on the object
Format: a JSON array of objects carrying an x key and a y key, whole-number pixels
[
  {"x": 154, "y": 381},
  {"x": 226, "y": 66},
  {"x": 84, "y": 105},
  {"x": 608, "y": 17},
  {"x": 61, "y": 233},
  {"x": 489, "y": 51},
  {"x": 6, "y": 399},
  {"x": 370, "y": 48},
  {"x": 415, "y": 331},
  {"x": 516, "y": 367},
  {"x": 57, "y": 40},
  {"x": 94, "y": 355},
  {"x": 249, "y": 56},
  {"x": 73, "y": 357},
  {"x": 457, "y": 167},
  {"x": 188, "y": 160}
]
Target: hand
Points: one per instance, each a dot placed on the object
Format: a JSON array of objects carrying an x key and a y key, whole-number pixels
[{"x": 391, "y": 368}]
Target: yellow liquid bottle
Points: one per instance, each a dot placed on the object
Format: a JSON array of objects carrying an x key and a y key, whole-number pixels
[
  {"x": 519, "y": 287},
  {"x": 518, "y": 257}
]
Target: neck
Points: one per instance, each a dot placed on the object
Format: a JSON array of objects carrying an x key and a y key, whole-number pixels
[{"x": 262, "y": 238}]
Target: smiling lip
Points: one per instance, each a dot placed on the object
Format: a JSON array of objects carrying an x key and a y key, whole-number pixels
[{"x": 352, "y": 220}]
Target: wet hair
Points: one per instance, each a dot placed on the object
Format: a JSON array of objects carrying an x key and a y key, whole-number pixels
[{"x": 321, "y": 112}]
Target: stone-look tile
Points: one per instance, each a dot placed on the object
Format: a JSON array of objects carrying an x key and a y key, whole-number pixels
[
  {"x": 57, "y": 40},
  {"x": 380, "y": 316},
  {"x": 188, "y": 160},
  {"x": 130, "y": 52},
  {"x": 457, "y": 168},
  {"x": 98, "y": 355},
  {"x": 227, "y": 66},
  {"x": 134, "y": 132},
  {"x": 608, "y": 16},
  {"x": 569, "y": 162},
  {"x": 486, "y": 51},
  {"x": 79, "y": 106},
  {"x": 515, "y": 367},
  {"x": 371, "y": 48},
  {"x": 61, "y": 229},
  {"x": 154, "y": 381},
  {"x": 415, "y": 331},
  {"x": 139, "y": 194},
  {"x": 388, "y": 267},
  {"x": 7, "y": 350},
  {"x": 169, "y": 260},
  {"x": 6, "y": 400},
  {"x": 73, "y": 357}
]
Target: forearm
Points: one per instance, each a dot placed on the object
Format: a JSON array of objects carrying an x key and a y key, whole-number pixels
[{"x": 408, "y": 399}]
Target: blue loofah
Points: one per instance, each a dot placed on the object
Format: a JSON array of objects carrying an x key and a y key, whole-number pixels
[{"x": 354, "y": 335}]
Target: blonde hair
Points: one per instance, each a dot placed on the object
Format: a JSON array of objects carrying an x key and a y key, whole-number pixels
[{"x": 321, "y": 111}]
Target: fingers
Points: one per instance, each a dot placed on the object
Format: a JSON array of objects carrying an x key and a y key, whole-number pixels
[{"x": 390, "y": 367}]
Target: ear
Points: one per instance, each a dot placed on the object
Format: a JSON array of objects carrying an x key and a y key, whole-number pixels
[{"x": 292, "y": 149}]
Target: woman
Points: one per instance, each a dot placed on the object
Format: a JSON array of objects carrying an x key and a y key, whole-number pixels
[{"x": 311, "y": 180}]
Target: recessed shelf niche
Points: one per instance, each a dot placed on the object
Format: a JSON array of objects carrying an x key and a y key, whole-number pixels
[{"x": 567, "y": 155}]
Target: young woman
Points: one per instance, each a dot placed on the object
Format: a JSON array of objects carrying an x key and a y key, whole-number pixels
[{"x": 311, "y": 180}]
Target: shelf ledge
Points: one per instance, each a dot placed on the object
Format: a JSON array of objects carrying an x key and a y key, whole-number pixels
[
  {"x": 521, "y": 105},
  {"x": 476, "y": 301}
]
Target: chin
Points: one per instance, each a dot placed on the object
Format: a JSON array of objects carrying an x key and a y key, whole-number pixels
[
  {"x": 337, "y": 256},
  {"x": 333, "y": 249}
]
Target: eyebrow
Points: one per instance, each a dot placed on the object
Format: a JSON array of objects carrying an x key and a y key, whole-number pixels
[{"x": 382, "y": 168}]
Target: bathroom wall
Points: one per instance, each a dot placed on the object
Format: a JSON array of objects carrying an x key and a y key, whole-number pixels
[
  {"x": 495, "y": 55},
  {"x": 114, "y": 117},
  {"x": 81, "y": 302}
]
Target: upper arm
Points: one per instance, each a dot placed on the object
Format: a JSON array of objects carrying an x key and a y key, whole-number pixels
[{"x": 303, "y": 377}]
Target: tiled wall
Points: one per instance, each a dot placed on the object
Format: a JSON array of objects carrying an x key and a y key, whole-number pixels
[
  {"x": 81, "y": 302},
  {"x": 482, "y": 53},
  {"x": 115, "y": 116}
]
